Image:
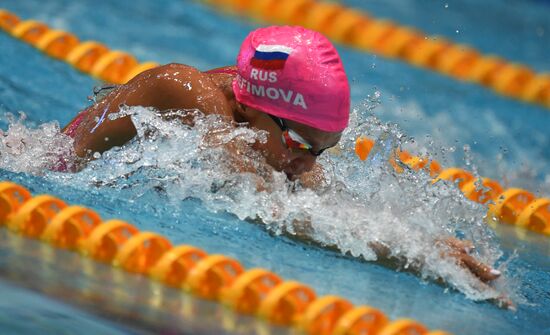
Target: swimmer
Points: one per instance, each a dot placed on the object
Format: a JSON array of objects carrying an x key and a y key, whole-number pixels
[{"x": 288, "y": 81}]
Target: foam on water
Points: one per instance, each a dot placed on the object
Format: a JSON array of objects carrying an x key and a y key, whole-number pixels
[
  {"x": 32, "y": 150},
  {"x": 359, "y": 203}
]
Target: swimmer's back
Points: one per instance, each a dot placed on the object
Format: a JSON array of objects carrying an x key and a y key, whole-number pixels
[{"x": 167, "y": 87}]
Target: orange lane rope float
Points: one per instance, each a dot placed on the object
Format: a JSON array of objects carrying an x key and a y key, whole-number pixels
[
  {"x": 71, "y": 227},
  {"x": 91, "y": 57},
  {"x": 342, "y": 24},
  {"x": 215, "y": 277},
  {"x": 388, "y": 39},
  {"x": 511, "y": 206}
]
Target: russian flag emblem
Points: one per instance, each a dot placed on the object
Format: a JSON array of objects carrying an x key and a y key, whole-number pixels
[{"x": 270, "y": 57}]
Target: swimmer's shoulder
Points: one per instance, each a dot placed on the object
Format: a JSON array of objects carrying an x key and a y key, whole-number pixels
[
  {"x": 184, "y": 71},
  {"x": 180, "y": 86},
  {"x": 224, "y": 71},
  {"x": 223, "y": 77},
  {"x": 173, "y": 75},
  {"x": 168, "y": 73}
]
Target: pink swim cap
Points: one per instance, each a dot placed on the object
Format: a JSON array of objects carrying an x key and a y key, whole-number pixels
[{"x": 296, "y": 74}]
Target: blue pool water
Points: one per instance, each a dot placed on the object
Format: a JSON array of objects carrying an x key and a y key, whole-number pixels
[
  {"x": 507, "y": 140},
  {"x": 32, "y": 312}
]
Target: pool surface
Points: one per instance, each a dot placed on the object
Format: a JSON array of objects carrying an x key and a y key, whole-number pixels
[{"x": 460, "y": 124}]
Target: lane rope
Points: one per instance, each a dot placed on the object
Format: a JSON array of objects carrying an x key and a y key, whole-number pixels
[
  {"x": 342, "y": 24},
  {"x": 508, "y": 206},
  {"x": 389, "y": 39},
  {"x": 91, "y": 57},
  {"x": 257, "y": 292},
  {"x": 217, "y": 277}
]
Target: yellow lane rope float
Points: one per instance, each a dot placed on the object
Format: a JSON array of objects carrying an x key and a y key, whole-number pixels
[
  {"x": 345, "y": 25},
  {"x": 511, "y": 206},
  {"x": 220, "y": 278},
  {"x": 388, "y": 39}
]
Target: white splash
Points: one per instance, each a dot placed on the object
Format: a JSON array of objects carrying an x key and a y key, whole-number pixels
[
  {"x": 34, "y": 151},
  {"x": 361, "y": 202}
]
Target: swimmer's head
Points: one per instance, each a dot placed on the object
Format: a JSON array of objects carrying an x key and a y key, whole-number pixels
[{"x": 295, "y": 74}]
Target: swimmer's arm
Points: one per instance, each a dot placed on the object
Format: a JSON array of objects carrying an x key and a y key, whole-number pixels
[
  {"x": 457, "y": 249},
  {"x": 168, "y": 87}
]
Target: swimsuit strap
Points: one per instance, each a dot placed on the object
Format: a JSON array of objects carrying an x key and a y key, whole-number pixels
[{"x": 71, "y": 129}]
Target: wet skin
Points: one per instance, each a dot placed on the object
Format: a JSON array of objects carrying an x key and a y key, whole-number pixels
[
  {"x": 292, "y": 162},
  {"x": 180, "y": 87},
  {"x": 177, "y": 87}
]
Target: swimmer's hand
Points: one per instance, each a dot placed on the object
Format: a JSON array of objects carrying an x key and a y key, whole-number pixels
[{"x": 460, "y": 250}]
